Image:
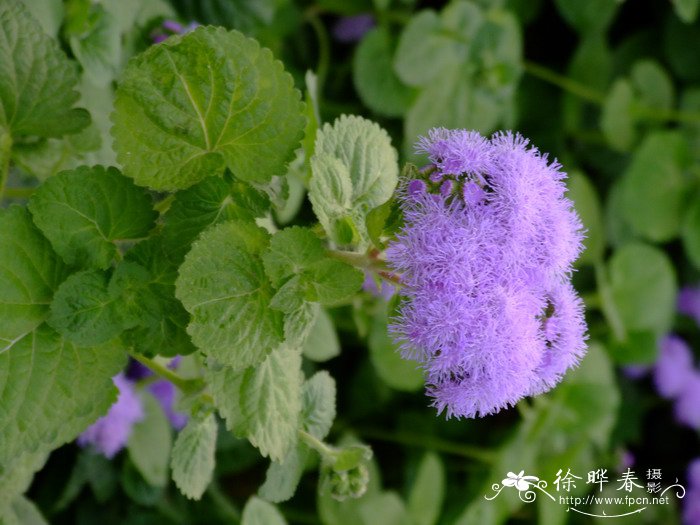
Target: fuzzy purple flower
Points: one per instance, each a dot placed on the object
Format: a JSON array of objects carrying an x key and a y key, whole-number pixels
[
  {"x": 164, "y": 391},
  {"x": 674, "y": 367},
  {"x": 489, "y": 311},
  {"x": 687, "y": 405},
  {"x": 689, "y": 302},
  {"x": 109, "y": 434}
]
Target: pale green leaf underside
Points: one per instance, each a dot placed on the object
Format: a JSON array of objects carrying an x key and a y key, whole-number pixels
[
  {"x": 83, "y": 211},
  {"x": 150, "y": 443},
  {"x": 322, "y": 343},
  {"x": 428, "y": 491},
  {"x": 223, "y": 285},
  {"x": 192, "y": 460},
  {"x": 30, "y": 271},
  {"x": 259, "y": 512},
  {"x": 262, "y": 402},
  {"x": 37, "y": 80},
  {"x": 50, "y": 391},
  {"x": 354, "y": 169},
  {"x": 196, "y": 104}
]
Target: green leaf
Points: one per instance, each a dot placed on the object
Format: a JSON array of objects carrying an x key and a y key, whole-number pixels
[
  {"x": 375, "y": 81},
  {"x": 22, "y": 512},
  {"x": 84, "y": 211},
  {"x": 333, "y": 281},
  {"x": 299, "y": 322},
  {"x": 318, "y": 413},
  {"x": 259, "y": 512},
  {"x": 387, "y": 508},
  {"x": 398, "y": 373},
  {"x": 638, "y": 348},
  {"x": 16, "y": 480},
  {"x": 37, "y": 91},
  {"x": 145, "y": 283},
  {"x": 691, "y": 232},
  {"x": 592, "y": 16},
  {"x": 193, "y": 458},
  {"x": 49, "y": 13},
  {"x": 51, "y": 391},
  {"x": 467, "y": 62},
  {"x": 428, "y": 491},
  {"x": 209, "y": 202},
  {"x": 291, "y": 251},
  {"x": 84, "y": 312},
  {"x": 282, "y": 477},
  {"x": 322, "y": 343},
  {"x": 150, "y": 442},
  {"x": 262, "y": 402},
  {"x": 354, "y": 170},
  {"x": 98, "y": 46},
  {"x": 652, "y": 83},
  {"x": 318, "y": 400},
  {"x": 687, "y": 10},
  {"x": 30, "y": 271},
  {"x": 643, "y": 286},
  {"x": 617, "y": 120},
  {"x": 199, "y": 103},
  {"x": 587, "y": 204},
  {"x": 654, "y": 187},
  {"x": 223, "y": 285}
]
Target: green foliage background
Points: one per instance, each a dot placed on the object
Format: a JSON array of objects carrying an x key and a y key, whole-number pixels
[{"x": 610, "y": 88}]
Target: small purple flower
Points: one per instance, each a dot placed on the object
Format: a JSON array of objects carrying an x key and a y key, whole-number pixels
[
  {"x": 109, "y": 434},
  {"x": 689, "y": 302},
  {"x": 691, "y": 507},
  {"x": 489, "y": 311},
  {"x": 626, "y": 461},
  {"x": 687, "y": 405},
  {"x": 164, "y": 392},
  {"x": 350, "y": 29},
  {"x": 635, "y": 371},
  {"x": 171, "y": 27},
  {"x": 674, "y": 367}
]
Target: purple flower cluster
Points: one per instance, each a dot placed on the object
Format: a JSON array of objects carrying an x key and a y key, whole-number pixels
[
  {"x": 171, "y": 27},
  {"x": 485, "y": 258},
  {"x": 110, "y": 434},
  {"x": 349, "y": 29},
  {"x": 691, "y": 510}
]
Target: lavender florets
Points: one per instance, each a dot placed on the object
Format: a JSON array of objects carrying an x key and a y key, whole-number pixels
[{"x": 485, "y": 261}]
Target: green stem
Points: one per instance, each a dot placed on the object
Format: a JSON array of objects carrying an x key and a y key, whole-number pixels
[
  {"x": 427, "y": 442},
  {"x": 316, "y": 444},
  {"x": 607, "y": 303},
  {"x": 186, "y": 385},
  {"x": 229, "y": 511},
  {"x": 596, "y": 97},
  {"x": 358, "y": 260},
  {"x": 5, "y": 150},
  {"x": 19, "y": 193},
  {"x": 324, "y": 50}
]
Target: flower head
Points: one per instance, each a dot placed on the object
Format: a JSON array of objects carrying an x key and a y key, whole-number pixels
[
  {"x": 674, "y": 367},
  {"x": 485, "y": 261},
  {"x": 109, "y": 434},
  {"x": 687, "y": 405}
]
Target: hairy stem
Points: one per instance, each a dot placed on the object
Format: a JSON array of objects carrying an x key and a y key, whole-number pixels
[
  {"x": 315, "y": 443},
  {"x": 5, "y": 150},
  {"x": 186, "y": 385}
]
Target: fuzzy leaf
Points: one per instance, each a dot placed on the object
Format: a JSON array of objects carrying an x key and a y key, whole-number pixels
[
  {"x": 193, "y": 456},
  {"x": 83, "y": 211},
  {"x": 84, "y": 312},
  {"x": 259, "y": 512},
  {"x": 223, "y": 285},
  {"x": 199, "y": 103},
  {"x": 428, "y": 491},
  {"x": 318, "y": 410},
  {"x": 30, "y": 271},
  {"x": 263, "y": 402},
  {"x": 150, "y": 443},
  {"x": 50, "y": 391},
  {"x": 322, "y": 343},
  {"x": 354, "y": 170},
  {"x": 291, "y": 251},
  {"x": 37, "y": 81},
  {"x": 332, "y": 281}
]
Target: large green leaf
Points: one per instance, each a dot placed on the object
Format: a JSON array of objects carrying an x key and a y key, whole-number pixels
[
  {"x": 643, "y": 285},
  {"x": 223, "y": 285},
  {"x": 199, "y": 103},
  {"x": 193, "y": 456},
  {"x": 354, "y": 169},
  {"x": 467, "y": 62},
  {"x": 84, "y": 211},
  {"x": 30, "y": 271},
  {"x": 50, "y": 391},
  {"x": 263, "y": 402},
  {"x": 655, "y": 186},
  {"x": 37, "y": 81}
]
